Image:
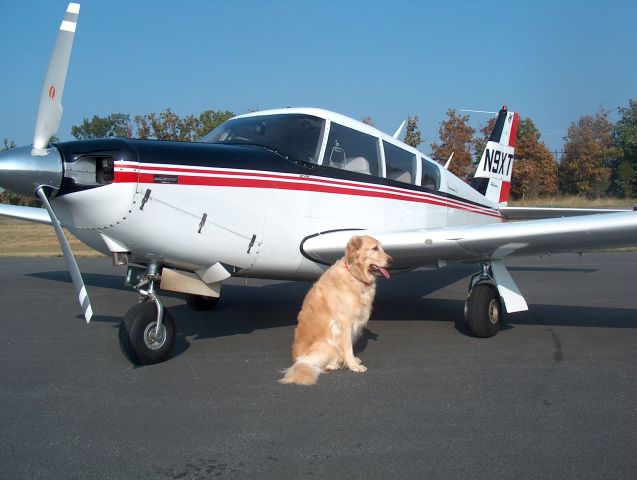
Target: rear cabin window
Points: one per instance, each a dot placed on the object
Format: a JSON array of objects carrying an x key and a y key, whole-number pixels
[
  {"x": 351, "y": 150},
  {"x": 400, "y": 164},
  {"x": 430, "y": 176}
]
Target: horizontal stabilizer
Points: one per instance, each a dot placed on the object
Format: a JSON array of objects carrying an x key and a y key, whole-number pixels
[{"x": 534, "y": 213}]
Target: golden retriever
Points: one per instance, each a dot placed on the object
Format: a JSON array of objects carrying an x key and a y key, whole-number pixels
[{"x": 335, "y": 311}]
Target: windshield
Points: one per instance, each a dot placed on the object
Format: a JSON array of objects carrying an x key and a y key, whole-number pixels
[{"x": 294, "y": 135}]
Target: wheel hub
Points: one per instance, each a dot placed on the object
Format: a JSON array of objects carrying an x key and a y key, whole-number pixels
[
  {"x": 494, "y": 311},
  {"x": 153, "y": 338}
]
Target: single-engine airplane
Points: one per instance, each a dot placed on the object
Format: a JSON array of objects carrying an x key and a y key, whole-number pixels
[{"x": 277, "y": 194}]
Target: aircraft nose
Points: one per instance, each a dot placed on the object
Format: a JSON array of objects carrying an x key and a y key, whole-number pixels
[{"x": 22, "y": 171}]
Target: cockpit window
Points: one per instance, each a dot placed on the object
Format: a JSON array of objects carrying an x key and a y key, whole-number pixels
[
  {"x": 294, "y": 135},
  {"x": 351, "y": 150}
]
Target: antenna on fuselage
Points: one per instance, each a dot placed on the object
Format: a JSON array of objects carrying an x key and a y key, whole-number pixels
[
  {"x": 400, "y": 129},
  {"x": 449, "y": 161}
]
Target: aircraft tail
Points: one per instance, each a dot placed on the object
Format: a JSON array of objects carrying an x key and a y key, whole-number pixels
[{"x": 493, "y": 175}]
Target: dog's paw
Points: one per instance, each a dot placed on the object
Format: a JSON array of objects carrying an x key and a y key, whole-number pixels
[
  {"x": 358, "y": 360},
  {"x": 358, "y": 368}
]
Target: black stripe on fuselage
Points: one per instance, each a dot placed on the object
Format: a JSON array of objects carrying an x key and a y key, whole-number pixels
[{"x": 248, "y": 157}]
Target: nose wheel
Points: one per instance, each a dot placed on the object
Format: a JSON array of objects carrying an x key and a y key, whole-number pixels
[
  {"x": 147, "y": 331},
  {"x": 141, "y": 341}
]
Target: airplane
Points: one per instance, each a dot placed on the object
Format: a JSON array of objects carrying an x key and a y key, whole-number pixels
[{"x": 277, "y": 194}]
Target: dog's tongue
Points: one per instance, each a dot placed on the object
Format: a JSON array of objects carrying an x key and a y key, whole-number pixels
[{"x": 384, "y": 272}]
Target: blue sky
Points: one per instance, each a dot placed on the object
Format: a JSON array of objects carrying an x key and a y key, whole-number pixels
[{"x": 552, "y": 61}]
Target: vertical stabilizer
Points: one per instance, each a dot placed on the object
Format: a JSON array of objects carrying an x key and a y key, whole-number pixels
[{"x": 493, "y": 175}]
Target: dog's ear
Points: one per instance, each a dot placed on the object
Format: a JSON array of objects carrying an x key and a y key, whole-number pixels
[{"x": 352, "y": 247}]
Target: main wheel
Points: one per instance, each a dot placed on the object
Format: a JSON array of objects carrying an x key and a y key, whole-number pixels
[
  {"x": 483, "y": 311},
  {"x": 138, "y": 336},
  {"x": 201, "y": 302}
]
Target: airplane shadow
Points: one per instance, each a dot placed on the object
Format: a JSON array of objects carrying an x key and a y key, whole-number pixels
[
  {"x": 113, "y": 282},
  {"x": 245, "y": 309},
  {"x": 404, "y": 298}
]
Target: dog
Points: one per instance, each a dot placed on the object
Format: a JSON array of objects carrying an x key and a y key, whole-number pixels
[{"x": 334, "y": 312}]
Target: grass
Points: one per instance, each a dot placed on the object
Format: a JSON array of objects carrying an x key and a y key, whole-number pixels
[
  {"x": 576, "y": 202},
  {"x": 25, "y": 239}
]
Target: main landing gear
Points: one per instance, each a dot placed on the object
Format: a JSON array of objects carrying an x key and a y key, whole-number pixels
[{"x": 483, "y": 309}]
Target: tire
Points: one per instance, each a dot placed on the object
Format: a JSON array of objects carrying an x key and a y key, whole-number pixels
[
  {"x": 483, "y": 311},
  {"x": 136, "y": 332},
  {"x": 200, "y": 302}
]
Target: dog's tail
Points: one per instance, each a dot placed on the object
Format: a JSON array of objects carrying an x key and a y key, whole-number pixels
[{"x": 302, "y": 372}]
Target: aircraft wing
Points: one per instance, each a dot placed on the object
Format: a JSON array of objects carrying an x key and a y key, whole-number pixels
[
  {"x": 532, "y": 213},
  {"x": 29, "y": 214},
  {"x": 422, "y": 247}
]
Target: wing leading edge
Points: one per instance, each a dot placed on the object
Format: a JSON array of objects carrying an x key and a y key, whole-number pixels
[
  {"x": 481, "y": 243},
  {"x": 29, "y": 214}
]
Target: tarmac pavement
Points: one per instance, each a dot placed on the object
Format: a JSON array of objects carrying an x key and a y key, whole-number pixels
[{"x": 553, "y": 395}]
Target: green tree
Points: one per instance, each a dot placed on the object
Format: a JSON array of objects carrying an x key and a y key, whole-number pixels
[
  {"x": 368, "y": 121},
  {"x": 534, "y": 167},
  {"x": 211, "y": 119},
  {"x": 170, "y": 126},
  {"x": 585, "y": 166},
  {"x": 413, "y": 136},
  {"x": 115, "y": 125},
  {"x": 456, "y": 137},
  {"x": 625, "y": 141},
  {"x": 167, "y": 126}
]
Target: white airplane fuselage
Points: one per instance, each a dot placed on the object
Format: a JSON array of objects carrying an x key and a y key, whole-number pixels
[{"x": 253, "y": 215}]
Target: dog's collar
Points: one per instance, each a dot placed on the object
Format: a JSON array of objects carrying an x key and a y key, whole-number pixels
[{"x": 367, "y": 284}]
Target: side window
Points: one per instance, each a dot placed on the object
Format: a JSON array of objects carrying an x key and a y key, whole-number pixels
[
  {"x": 400, "y": 164},
  {"x": 430, "y": 175},
  {"x": 351, "y": 150}
]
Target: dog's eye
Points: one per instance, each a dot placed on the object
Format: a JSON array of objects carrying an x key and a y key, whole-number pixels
[{"x": 375, "y": 248}]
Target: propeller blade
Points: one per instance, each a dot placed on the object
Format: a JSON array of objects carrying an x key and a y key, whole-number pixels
[
  {"x": 71, "y": 264},
  {"x": 50, "y": 109}
]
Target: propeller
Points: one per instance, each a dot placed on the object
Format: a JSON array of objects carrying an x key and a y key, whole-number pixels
[
  {"x": 49, "y": 116},
  {"x": 29, "y": 172},
  {"x": 69, "y": 258}
]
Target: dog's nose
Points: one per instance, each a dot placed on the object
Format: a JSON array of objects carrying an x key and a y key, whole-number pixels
[{"x": 389, "y": 259}]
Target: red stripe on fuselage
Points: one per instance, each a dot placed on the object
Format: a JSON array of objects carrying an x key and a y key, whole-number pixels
[{"x": 142, "y": 173}]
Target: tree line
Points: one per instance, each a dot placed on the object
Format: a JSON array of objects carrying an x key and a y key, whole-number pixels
[{"x": 599, "y": 158}]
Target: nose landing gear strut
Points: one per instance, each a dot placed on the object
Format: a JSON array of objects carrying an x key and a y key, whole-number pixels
[{"x": 147, "y": 331}]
